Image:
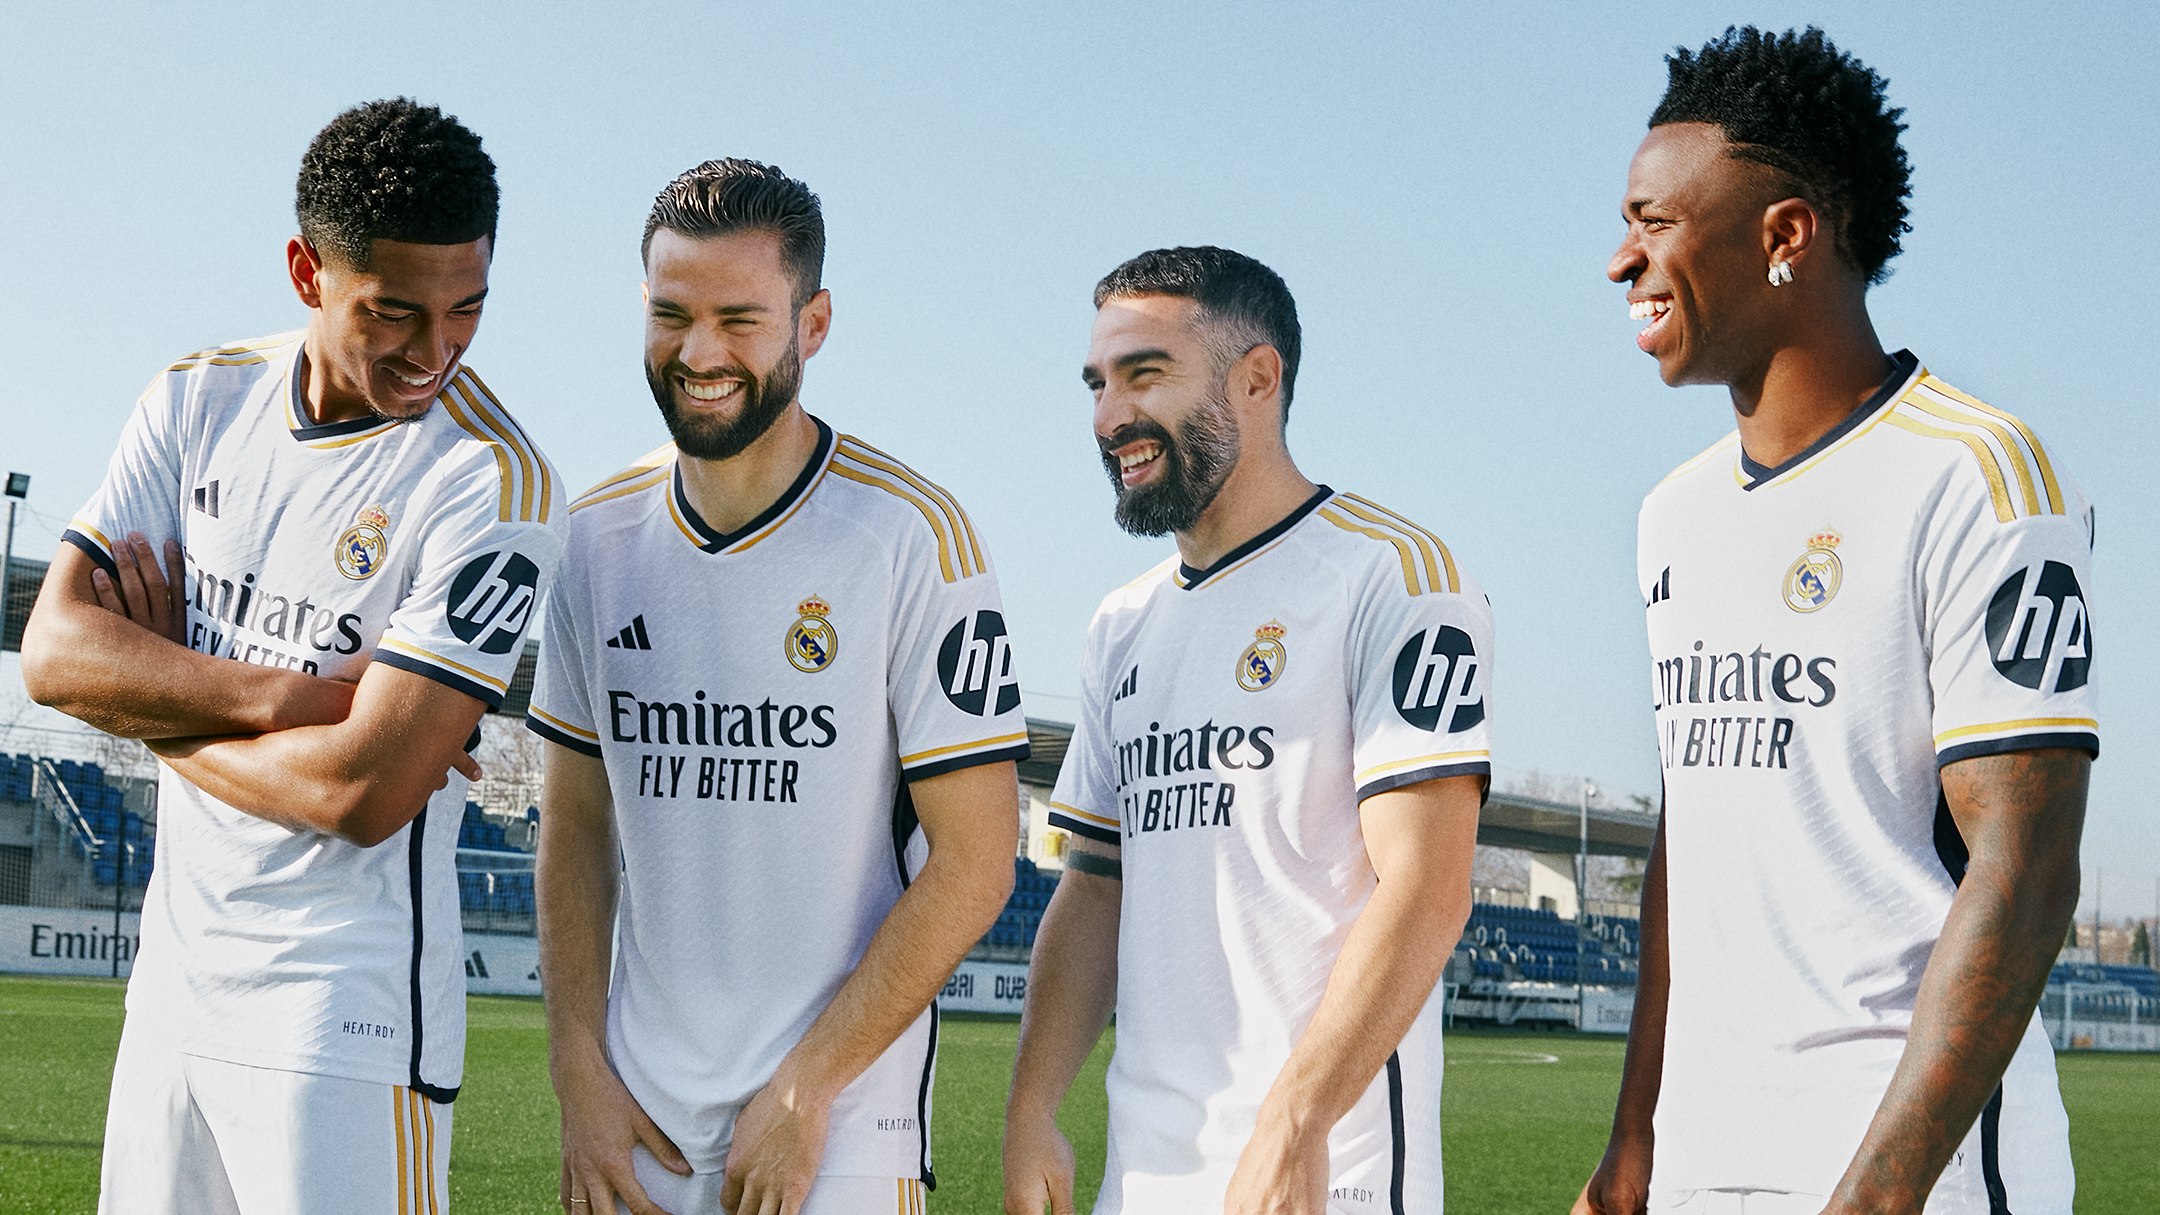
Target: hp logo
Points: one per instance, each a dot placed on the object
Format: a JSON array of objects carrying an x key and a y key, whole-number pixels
[
  {"x": 1440, "y": 681},
  {"x": 496, "y": 589},
  {"x": 970, "y": 666},
  {"x": 2037, "y": 630}
]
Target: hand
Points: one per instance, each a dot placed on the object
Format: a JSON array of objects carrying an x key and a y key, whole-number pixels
[
  {"x": 1038, "y": 1168},
  {"x": 1279, "y": 1173},
  {"x": 601, "y": 1121},
  {"x": 1621, "y": 1185},
  {"x": 142, "y": 592},
  {"x": 779, "y": 1143}
]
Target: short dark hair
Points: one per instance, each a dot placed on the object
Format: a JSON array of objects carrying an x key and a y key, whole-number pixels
[
  {"x": 1813, "y": 113},
  {"x": 721, "y": 197},
  {"x": 395, "y": 170},
  {"x": 1243, "y": 304}
]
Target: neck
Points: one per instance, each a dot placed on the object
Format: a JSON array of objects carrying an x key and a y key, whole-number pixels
[
  {"x": 315, "y": 396},
  {"x": 1264, "y": 488},
  {"x": 727, "y": 494},
  {"x": 1809, "y": 385}
]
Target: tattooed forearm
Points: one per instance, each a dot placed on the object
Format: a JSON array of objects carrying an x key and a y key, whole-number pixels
[{"x": 2020, "y": 816}]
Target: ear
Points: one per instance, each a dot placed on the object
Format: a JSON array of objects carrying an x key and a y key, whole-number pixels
[
  {"x": 814, "y": 322},
  {"x": 1791, "y": 230},
  {"x": 305, "y": 265},
  {"x": 1254, "y": 383}
]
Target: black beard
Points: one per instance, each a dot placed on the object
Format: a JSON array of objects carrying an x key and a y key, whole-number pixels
[
  {"x": 765, "y": 398},
  {"x": 1196, "y": 464}
]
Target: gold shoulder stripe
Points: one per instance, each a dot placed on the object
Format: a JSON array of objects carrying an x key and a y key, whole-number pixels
[
  {"x": 2039, "y": 453},
  {"x": 963, "y": 530},
  {"x": 1920, "y": 400},
  {"x": 1427, "y": 543},
  {"x": 658, "y": 459},
  {"x": 1696, "y": 461},
  {"x": 2004, "y": 511},
  {"x": 1402, "y": 547},
  {"x": 490, "y": 409},
  {"x": 651, "y": 477},
  {"x": 1170, "y": 563},
  {"x": 494, "y": 446},
  {"x": 937, "y": 527},
  {"x": 239, "y": 354}
]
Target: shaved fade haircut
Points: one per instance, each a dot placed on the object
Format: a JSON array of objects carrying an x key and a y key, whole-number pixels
[
  {"x": 723, "y": 197},
  {"x": 1243, "y": 304},
  {"x": 1816, "y": 116},
  {"x": 394, "y": 170}
]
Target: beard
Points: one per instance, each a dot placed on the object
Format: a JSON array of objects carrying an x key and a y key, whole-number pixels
[
  {"x": 1195, "y": 465},
  {"x": 764, "y": 398}
]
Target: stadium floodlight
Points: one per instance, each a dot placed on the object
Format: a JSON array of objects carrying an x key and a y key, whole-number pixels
[{"x": 18, "y": 485}]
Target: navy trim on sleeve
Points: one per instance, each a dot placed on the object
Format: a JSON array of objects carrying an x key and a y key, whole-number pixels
[
  {"x": 1396, "y": 780},
  {"x": 94, "y": 549},
  {"x": 449, "y": 679},
  {"x": 957, "y": 762},
  {"x": 562, "y": 738},
  {"x": 1101, "y": 835},
  {"x": 2081, "y": 741}
]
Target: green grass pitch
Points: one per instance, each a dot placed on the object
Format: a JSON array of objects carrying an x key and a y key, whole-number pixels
[{"x": 1525, "y": 1112}]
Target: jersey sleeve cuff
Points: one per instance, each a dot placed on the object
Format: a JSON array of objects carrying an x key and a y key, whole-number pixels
[
  {"x": 562, "y": 733},
  {"x": 940, "y": 760},
  {"x": 442, "y": 671},
  {"x": 973, "y": 759},
  {"x": 2087, "y": 741},
  {"x": 96, "y": 551},
  {"x": 1382, "y": 777},
  {"x": 1081, "y": 823}
]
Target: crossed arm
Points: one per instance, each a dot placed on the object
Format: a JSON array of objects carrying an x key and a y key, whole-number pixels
[
  {"x": 356, "y": 761},
  {"x": 1420, "y": 840},
  {"x": 2021, "y": 815},
  {"x": 968, "y": 818}
]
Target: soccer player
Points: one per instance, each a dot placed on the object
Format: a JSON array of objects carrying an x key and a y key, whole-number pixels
[
  {"x": 783, "y": 719},
  {"x": 353, "y": 532},
  {"x": 1272, "y": 791},
  {"x": 1873, "y": 687}
]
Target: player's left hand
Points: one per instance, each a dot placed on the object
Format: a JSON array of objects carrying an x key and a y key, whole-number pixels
[
  {"x": 1279, "y": 1175},
  {"x": 779, "y": 1143},
  {"x": 142, "y": 592}
]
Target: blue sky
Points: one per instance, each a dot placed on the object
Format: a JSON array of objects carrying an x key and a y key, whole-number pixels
[{"x": 1440, "y": 189}]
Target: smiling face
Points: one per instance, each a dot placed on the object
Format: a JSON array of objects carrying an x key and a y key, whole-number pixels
[
  {"x": 724, "y": 343},
  {"x": 1694, "y": 255},
  {"x": 1168, "y": 436},
  {"x": 385, "y": 339}
]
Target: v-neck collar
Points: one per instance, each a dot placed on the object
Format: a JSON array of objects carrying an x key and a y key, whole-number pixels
[
  {"x": 713, "y": 542},
  {"x": 1189, "y": 578},
  {"x": 1903, "y": 365}
]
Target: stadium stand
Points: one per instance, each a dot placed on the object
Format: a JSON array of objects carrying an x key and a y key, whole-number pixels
[
  {"x": 495, "y": 877},
  {"x": 101, "y": 829},
  {"x": 1523, "y": 944}
]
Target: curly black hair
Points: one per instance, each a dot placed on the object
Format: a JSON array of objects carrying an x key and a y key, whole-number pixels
[
  {"x": 1243, "y": 304},
  {"x": 395, "y": 170},
  {"x": 1796, "y": 103},
  {"x": 721, "y": 197}
]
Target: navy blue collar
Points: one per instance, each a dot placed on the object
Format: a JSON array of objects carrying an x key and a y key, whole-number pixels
[
  {"x": 712, "y": 541},
  {"x": 1903, "y": 364}
]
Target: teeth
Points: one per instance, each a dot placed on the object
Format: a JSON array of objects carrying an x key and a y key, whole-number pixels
[
  {"x": 710, "y": 392},
  {"x": 416, "y": 381},
  {"x": 1136, "y": 458},
  {"x": 1643, "y": 310}
]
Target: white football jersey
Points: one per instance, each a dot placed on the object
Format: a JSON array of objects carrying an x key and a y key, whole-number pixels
[
  {"x": 1231, "y": 721},
  {"x": 761, "y": 699},
  {"x": 1908, "y": 592},
  {"x": 420, "y": 544}
]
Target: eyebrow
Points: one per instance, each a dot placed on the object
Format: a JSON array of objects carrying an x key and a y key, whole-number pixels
[
  {"x": 387, "y": 301},
  {"x": 661, "y": 301}
]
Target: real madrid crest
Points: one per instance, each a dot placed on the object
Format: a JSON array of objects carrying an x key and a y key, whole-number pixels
[
  {"x": 812, "y": 642},
  {"x": 1813, "y": 579},
  {"x": 361, "y": 550},
  {"x": 1263, "y": 661}
]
